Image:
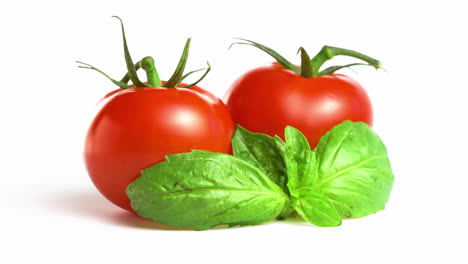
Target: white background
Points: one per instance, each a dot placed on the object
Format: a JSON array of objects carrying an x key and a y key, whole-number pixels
[{"x": 51, "y": 213}]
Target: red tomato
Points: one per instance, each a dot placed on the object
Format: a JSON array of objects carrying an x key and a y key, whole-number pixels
[
  {"x": 267, "y": 99},
  {"x": 136, "y": 128}
]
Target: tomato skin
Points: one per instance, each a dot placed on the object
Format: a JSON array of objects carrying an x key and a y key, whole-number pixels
[
  {"x": 267, "y": 99},
  {"x": 136, "y": 128}
]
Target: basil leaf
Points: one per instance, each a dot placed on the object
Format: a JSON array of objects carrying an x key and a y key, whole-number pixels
[
  {"x": 300, "y": 160},
  {"x": 204, "y": 189},
  {"x": 263, "y": 152},
  {"x": 353, "y": 170},
  {"x": 301, "y": 164},
  {"x": 317, "y": 209}
]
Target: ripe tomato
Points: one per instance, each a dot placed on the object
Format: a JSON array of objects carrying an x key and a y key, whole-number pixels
[
  {"x": 269, "y": 98},
  {"x": 136, "y": 128}
]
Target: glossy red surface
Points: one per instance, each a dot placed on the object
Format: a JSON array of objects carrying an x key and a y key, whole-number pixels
[
  {"x": 267, "y": 99},
  {"x": 136, "y": 128}
]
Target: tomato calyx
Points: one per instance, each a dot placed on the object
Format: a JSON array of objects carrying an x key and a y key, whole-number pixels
[
  {"x": 306, "y": 67},
  {"x": 311, "y": 67},
  {"x": 147, "y": 64}
]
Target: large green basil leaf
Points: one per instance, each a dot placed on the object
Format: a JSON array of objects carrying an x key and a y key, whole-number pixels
[
  {"x": 203, "y": 189},
  {"x": 353, "y": 170}
]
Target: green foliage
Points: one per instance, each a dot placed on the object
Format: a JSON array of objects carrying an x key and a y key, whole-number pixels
[{"x": 348, "y": 175}]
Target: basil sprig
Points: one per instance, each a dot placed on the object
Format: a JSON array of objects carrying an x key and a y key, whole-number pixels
[{"x": 347, "y": 175}]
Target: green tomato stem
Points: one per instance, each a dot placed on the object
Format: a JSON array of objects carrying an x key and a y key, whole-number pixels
[
  {"x": 147, "y": 63},
  {"x": 207, "y": 70},
  {"x": 126, "y": 77},
  {"x": 190, "y": 73},
  {"x": 128, "y": 60},
  {"x": 333, "y": 69},
  {"x": 306, "y": 65},
  {"x": 121, "y": 84},
  {"x": 280, "y": 59},
  {"x": 328, "y": 52},
  {"x": 179, "y": 71}
]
